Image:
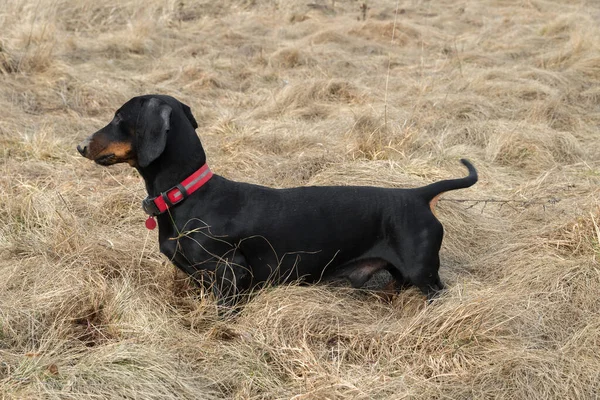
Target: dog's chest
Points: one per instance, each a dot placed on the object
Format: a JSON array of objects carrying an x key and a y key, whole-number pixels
[{"x": 168, "y": 248}]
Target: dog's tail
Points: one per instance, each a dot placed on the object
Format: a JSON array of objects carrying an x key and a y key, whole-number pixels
[{"x": 431, "y": 193}]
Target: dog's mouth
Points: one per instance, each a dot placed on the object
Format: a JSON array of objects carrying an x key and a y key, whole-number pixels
[{"x": 107, "y": 159}]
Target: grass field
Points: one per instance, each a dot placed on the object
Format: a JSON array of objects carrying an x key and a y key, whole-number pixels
[{"x": 291, "y": 93}]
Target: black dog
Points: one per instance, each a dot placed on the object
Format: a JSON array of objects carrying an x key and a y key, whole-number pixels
[{"x": 237, "y": 235}]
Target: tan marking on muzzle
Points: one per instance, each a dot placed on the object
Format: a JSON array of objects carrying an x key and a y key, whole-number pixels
[{"x": 121, "y": 150}]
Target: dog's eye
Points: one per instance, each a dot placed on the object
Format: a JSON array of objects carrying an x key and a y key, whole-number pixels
[{"x": 117, "y": 119}]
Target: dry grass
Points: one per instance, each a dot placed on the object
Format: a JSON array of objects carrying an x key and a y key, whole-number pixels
[{"x": 286, "y": 94}]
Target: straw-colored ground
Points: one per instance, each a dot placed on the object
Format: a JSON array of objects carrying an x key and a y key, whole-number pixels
[{"x": 296, "y": 93}]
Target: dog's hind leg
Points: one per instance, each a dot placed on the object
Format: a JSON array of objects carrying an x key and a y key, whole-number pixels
[
  {"x": 419, "y": 255},
  {"x": 425, "y": 276}
]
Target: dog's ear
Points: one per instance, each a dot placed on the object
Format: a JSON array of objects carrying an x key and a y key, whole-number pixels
[
  {"x": 188, "y": 114},
  {"x": 153, "y": 124}
]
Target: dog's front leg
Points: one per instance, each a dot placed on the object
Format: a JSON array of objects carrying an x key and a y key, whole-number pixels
[{"x": 232, "y": 277}]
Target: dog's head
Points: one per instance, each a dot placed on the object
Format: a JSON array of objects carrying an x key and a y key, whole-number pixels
[{"x": 138, "y": 132}]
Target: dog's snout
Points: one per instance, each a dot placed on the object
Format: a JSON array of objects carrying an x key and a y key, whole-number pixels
[{"x": 82, "y": 147}]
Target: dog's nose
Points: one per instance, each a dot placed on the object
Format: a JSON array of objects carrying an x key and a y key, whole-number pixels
[{"x": 82, "y": 147}]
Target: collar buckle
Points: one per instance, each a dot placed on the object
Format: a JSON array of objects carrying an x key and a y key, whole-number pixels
[{"x": 150, "y": 207}]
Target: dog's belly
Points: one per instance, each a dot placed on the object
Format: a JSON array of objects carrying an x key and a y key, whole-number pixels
[
  {"x": 267, "y": 260},
  {"x": 355, "y": 263},
  {"x": 276, "y": 264}
]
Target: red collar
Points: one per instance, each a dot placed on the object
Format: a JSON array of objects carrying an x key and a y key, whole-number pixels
[{"x": 154, "y": 206}]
